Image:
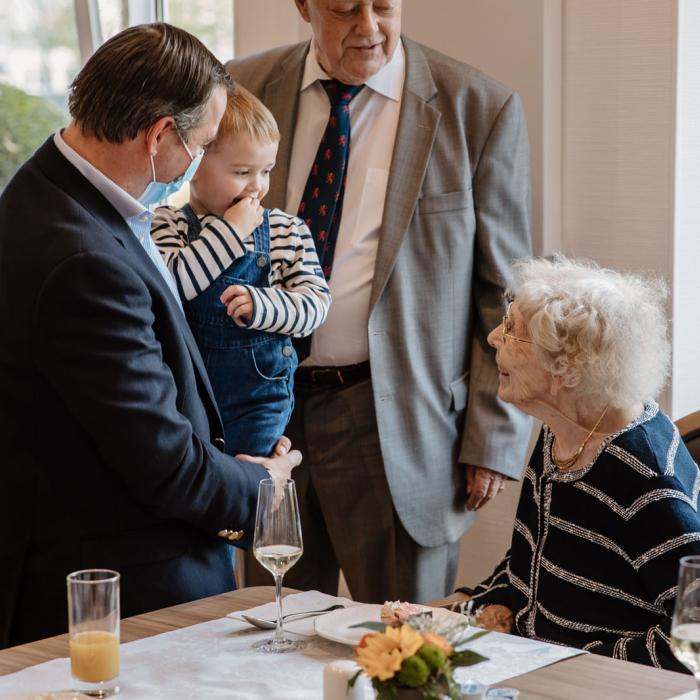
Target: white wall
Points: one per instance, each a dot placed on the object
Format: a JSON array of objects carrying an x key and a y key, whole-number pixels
[
  {"x": 263, "y": 24},
  {"x": 686, "y": 254},
  {"x": 618, "y": 128}
]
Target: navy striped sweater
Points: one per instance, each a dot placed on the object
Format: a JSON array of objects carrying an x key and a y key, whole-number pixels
[{"x": 594, "y": 556}]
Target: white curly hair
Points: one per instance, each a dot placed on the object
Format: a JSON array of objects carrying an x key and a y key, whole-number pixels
[{"x": 604, "y": 332}]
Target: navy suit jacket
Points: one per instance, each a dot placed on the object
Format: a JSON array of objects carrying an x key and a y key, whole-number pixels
[{"x": 107, "y": 418}]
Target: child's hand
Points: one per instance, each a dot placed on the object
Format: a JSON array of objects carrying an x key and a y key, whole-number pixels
[
  {"x": 239, "y": 304},
  {"x": 245, "y": 216}
]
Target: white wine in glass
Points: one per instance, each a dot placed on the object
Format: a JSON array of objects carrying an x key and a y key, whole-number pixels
[
  {"x": 278, "y": 558},
  {"x": 685, "y": 628},
  {"x": 277, "y": 545}
]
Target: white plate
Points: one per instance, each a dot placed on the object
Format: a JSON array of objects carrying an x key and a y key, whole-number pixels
[{"x": 338, "y": 625}]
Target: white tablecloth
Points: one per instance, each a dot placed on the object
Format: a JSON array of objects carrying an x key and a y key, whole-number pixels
[{"x": 215, "y": 660}]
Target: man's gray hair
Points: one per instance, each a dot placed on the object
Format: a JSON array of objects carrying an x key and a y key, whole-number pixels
[{"x": 604, "y": 332}]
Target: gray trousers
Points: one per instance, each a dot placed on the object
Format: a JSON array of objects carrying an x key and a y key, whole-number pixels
[{"x": 348, "y": 520}]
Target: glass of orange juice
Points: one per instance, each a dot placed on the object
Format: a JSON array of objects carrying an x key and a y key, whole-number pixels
[{"x": 93, "y": 629}]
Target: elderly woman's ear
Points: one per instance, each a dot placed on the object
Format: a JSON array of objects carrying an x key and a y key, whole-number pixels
[{"x": 556, "y": 383}]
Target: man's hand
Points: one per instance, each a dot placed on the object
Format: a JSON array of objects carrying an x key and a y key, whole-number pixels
[
  {"x": 482, "y": 485},
  {"x": 495, "y": 617},
  {"x": 283, "y": 446},
  {"x": 245, "y": 216},
  {"x": 280, "y": 466},
  {"x": 239, "y": 304}
]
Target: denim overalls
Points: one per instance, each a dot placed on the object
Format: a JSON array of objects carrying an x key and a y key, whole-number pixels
[{"x": 251, "y": 371}]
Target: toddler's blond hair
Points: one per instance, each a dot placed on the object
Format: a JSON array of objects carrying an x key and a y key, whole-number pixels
[{"x": 246, "y": 114}]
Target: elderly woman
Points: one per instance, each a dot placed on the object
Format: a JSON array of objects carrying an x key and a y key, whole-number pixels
[{"x": 609, "y": 499}]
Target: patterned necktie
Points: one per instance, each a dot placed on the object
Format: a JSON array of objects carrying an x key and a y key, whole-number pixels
[{"x": 322, "y": 202}]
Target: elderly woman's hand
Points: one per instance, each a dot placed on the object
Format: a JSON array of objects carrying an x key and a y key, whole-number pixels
[
  {"x": 495, "y": 617},
  {"x": 482, "y": 485}
]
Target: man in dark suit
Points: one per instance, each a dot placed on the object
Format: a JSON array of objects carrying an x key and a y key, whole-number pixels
[
  {"x": 109, "y": 434},
  {"x": 397, "y": 403}
]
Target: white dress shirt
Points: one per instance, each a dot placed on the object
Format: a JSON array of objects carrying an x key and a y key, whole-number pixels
[
  {"x": 137, "y": 217},
  {"x": 374, "y": 118}
]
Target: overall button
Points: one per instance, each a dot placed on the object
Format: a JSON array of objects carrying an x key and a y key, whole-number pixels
[
  {"x": 261, "y": 261},
  {"x": 287, "y": 350},
  {"x": 219, "y": 442}
]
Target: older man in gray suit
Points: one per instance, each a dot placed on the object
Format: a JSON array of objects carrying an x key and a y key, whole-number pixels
[{"x": 396, "y": 409}]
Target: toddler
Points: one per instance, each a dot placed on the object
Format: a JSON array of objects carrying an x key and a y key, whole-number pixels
[{"x": 249, "y": 278}]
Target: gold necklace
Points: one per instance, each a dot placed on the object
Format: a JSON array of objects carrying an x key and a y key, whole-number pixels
[{"x": 570, "y": 461}]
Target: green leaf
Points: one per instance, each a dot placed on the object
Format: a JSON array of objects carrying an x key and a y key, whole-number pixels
[
  {"x": 370, "y": 625},
  {"x": 476, "y": 635},
  {"x": 385, "y": 690},
  {"x": 467, "y": 658}
]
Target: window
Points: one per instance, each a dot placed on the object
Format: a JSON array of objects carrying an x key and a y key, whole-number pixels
[
  {"x": 43, "y": 44},
  {"x": 39, "y": 57},
  {"x": 112, "y": 17},
  {"x": 211, "y": 21}
]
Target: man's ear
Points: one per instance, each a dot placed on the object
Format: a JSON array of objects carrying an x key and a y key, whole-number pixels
[
  {"x": 157, "y": 132},
  {"x": 302, "y": 6}
]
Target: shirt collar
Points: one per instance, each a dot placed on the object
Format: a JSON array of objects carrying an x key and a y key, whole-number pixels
[
  {"x": 387, "y": 82},
  {"x": 122, "y": 201}
]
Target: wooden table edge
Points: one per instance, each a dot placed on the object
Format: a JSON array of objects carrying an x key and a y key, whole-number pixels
[{"x": 548, "y": 682}]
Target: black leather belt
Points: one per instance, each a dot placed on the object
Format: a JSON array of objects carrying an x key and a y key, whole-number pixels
[{"x": 333, "y": 376}]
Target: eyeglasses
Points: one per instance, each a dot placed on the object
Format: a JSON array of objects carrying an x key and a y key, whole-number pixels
[{"x": 507, "y": 326}]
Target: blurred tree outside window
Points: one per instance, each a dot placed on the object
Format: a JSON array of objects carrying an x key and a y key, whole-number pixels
[{"x": 39, "y": 57}]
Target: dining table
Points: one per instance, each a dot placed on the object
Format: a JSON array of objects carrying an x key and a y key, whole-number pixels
[{"x": 584, "y": 677}]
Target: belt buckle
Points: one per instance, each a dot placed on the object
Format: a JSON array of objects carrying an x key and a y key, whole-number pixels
[{"x": 316, "y": 374}]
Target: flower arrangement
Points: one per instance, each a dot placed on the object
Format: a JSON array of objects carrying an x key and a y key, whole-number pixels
[{"x": 418, "y": 654}]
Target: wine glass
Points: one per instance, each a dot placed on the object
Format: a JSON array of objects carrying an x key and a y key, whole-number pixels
[
  {"x": 685, "y": 628},
  {"x": 277, "y": 545}
]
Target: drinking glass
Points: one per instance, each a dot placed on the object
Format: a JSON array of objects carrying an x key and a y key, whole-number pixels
[
  {"x": 277, "y": 545},
  {"x": 685, "y": 628},
  {"x": 93, "y": 629}
]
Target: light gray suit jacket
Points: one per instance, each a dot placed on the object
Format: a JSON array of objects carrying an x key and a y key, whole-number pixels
[{"x": 457, "y": 212}]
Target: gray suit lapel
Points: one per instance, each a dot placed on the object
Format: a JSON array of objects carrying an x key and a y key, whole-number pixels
[
  {"x": 418, "y": 124},
  {"x": 282, "y": 99}
]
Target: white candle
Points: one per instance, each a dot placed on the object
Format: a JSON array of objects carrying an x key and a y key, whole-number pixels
[{"x": 335, "y": 682}]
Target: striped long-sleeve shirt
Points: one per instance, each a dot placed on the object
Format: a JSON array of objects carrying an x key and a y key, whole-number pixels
[
  {"x": 297, "y": 299},
  {"x": 594, "y": 556}
]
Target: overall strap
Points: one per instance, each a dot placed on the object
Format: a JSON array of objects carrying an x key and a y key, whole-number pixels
[
  {"x": 194, "y": 225},
  {"x": 262, "y": 234}
]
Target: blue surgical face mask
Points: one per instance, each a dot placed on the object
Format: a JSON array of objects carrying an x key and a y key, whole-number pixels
[{"x": 158, "y": 191}]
